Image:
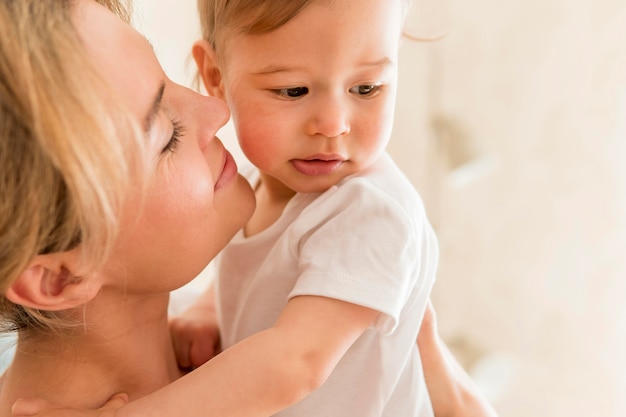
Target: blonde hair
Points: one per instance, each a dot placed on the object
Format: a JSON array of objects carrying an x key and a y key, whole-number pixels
[{"x": 67, "y": 148}]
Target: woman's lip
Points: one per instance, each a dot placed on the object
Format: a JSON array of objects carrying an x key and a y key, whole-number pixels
[
  {"x": 229, "y": 171},
  {"x": 318, "y": 164}
]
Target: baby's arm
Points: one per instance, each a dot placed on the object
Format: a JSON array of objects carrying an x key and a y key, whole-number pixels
[
  {"x": 195, "y": 333},
  {"x": 265, "y": 372},
  {"x": 268, "y": 371}
]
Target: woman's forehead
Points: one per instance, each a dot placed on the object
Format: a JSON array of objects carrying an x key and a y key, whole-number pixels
[{"x": 124, "y": 58}]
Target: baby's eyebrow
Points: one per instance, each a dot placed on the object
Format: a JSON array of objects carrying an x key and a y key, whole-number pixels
[
  {"x": 275, "y": 69},
  {"x": 154, "y": 108},
  {"x": 383, "y": 62}
]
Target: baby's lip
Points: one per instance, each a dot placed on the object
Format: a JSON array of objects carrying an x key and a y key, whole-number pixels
[
  {"x": 325, "y": 157},
  {"x": 316, "y": 165}
]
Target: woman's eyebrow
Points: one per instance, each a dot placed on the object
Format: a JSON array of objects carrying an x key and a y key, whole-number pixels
[{"x": 154, "y": 108}]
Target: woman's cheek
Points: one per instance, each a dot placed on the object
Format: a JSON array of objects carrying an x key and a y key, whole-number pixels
[{"x": 181, "y": 198}]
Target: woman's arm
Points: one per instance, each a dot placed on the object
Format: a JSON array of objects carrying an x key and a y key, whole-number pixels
[{"x": 452, "y": 391}]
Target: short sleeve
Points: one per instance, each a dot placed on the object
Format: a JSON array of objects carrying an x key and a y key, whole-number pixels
[{"x": 358, "y": 245}]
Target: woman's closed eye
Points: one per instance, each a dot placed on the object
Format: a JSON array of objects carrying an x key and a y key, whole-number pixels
[{"x": 177, "y": 132}]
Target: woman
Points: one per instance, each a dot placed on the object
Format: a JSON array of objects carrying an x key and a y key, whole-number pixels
[
  {"x": 115, "y": 191},
  {"x": 128, "y": 195}
]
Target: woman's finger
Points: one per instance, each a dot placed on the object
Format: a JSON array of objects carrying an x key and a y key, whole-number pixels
[
  {"x": 29, "y": 406},
  {"x": 117, "y": 401}
]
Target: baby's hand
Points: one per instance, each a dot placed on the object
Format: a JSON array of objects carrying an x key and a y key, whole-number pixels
[
  {"x": 43, "y": 408},
  {"x": 196, "y": 337}
]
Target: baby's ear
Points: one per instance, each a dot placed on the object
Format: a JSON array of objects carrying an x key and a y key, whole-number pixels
[
  {"x": 206, "y": 61},
  {"x": 50, "y": 283}
]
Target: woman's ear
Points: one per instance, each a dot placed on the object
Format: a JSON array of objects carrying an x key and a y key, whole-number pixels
[
  {"x": 50, "y": 282},
  {"x": 206, "y": 61}
]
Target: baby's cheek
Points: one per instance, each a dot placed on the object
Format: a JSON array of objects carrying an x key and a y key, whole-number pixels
[{"x": 259, "y": 148}]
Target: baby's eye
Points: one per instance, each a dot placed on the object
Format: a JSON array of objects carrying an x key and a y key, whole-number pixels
[
  {"x": 293, "y": 92},
  {"x": 366, "y": 89}
]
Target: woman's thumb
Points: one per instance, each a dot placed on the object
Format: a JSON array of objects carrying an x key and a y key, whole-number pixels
[
  {"x": 117, "y": 401},
  {"x": 28, "y": 406},
  {"x": 33, "y": 406}
]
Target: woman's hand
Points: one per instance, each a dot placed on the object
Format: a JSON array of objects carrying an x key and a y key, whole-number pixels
[
  {"x": 42, "y": 408},
  {"x": 452, "y": 391}
]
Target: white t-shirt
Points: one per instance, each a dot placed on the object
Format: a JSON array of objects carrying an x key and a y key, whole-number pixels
[{"x": 366, "y": 241}]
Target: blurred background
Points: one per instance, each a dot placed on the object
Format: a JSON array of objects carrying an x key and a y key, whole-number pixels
[{"x": 513, "y": 128}]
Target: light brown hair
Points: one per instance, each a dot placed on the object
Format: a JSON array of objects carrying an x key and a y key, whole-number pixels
[{"x": 221, "y": 18}]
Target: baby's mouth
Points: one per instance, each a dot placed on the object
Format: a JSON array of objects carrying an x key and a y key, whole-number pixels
[{"x": 317, "y": 166}]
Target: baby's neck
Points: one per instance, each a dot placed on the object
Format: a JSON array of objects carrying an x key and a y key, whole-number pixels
[
  {"x": 127, "y": 348},
  {"x": 271, "y": 199}
]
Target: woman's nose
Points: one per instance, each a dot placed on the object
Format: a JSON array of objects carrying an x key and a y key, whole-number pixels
[
  {"x": 217, "y": 113},
  {"x": 330, "y": 117},
  {"x": 212, "y": 115}
]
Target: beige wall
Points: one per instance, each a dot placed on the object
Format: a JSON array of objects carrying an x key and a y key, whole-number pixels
[
  {"x": 514, "y": 130},
  {"x": 529, "y": 122}
]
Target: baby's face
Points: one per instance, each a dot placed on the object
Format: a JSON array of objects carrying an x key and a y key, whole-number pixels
[
  {"x": 194, "y": 200},
  {"x": 313, "y": 101}
]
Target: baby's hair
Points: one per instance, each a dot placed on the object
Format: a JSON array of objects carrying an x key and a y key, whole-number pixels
[
  {"x": 67, "y": 148},
  {"x": 221, "y": 18}
]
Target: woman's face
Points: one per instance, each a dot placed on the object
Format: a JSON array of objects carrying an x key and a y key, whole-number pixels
[{"x": 195, "y": 200}]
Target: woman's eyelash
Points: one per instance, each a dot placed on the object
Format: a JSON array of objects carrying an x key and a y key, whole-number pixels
[{"x": 177, "y": 131}]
